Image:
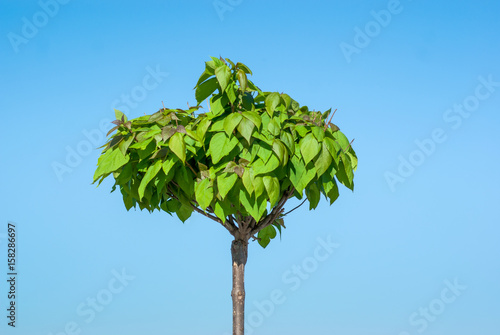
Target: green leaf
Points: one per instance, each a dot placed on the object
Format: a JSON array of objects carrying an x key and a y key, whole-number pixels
[
  {"x": 184, "y": 212},
  {"x": 124, "y": 145},
  {"x": 221, "y": 146},
  {"x": 243, "y": 67},
  {"x": 242, "y": 78},
  {"x": 259, "y": 187},
  {"x": 178, "y": 146},
  {"x": 230, "y": 62},
  {"x": 266, "y": 235},
  {"x": 286, "y": 98},
  {"x": 141, "y": 145},
  {"x": 255, "y": 206},
  {"x": 287, "y": 139},
  {"x": 297, "y": 170},
  {"x": 193, "y": 135},
  {"x": 209, "y": 71},
  {"x": 223, "y": 74},
  {"x": 125, "y": 174},
  {"x": 308, "y": 176},
  {"x": 348, "y": 168},
  {"x": 248, "y": 202},
  {"x": 301, "y": 130},
  {"x": 323, "y": 161},
  {"x": 160, "y": 181},
  {"x": 216, "y": 146},
  {"x": 168, "y": 164},
  {"x": 272, "y": 186},
  {"x": 230, "y": 145},
  {"x": 231, "y": 121},
  {"x": 110, "y": 162},
  {"x": 217, "y": 62},
  {"x": 264, "y": 151},
  {"x": 204, "y": 76},
  {"x": 217, "y": 105},
  {"x": 353, "y": 158},
  {"x": 331, "y": 189},
  {"x": 272, "y": 101},
  {"x": 225, "y": 182},
  {"x": 222, "y": 209},
  {"x": 309, "y": 147},
  {"x": 202, "y": 128},
  {"x": 333, "y": 147},
  {"x": 273, "y": 127},
  {"x": 217, "y": 126},
  {"x": 150, "y": 174},
  {"x": 318, "y": 132},
  {"x": 260, "y": 167},
  {"x": 253, "y": 87},
  {"x": 205, "y": 89},
  {"x": 254, "y": 117},
  {"x": 153, "y": 132},
  {"x": 184, "y": 178},
  {"x": 247, "y": 180},
  {"x": 343, "y": 177},
  {"x": 245, "y": 128},
  {"x": 342, "y": 140},
  {"x": 128, "y": 201},
  {"x": 313, "y": 194},
  {"x": 280, "y": 151},
  {"x": 148, "y": 151},
  {"x": 204, "y": 193},
  {"x": 231, "y": 92},
  {"x": 119, "y": 115},
  {"x": 171, "y": 206}
]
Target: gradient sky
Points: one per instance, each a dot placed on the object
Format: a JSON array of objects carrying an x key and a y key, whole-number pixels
[{"x": 419, "y": 90}]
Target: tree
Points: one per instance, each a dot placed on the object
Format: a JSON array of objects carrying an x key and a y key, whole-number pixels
[{"x": 237, "y": 164}]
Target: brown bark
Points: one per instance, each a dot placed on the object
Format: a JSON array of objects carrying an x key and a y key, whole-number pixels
[{"x": 239, "y": 253}]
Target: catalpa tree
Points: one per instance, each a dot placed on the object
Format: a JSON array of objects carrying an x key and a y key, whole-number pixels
[{"x": 237, "y": 164}]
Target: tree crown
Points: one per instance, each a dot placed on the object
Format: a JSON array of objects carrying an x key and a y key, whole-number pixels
[{"x": 237, "y": 164}]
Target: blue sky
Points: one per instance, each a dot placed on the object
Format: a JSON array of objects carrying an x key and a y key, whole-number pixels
[{"x": 414, "y": 249}]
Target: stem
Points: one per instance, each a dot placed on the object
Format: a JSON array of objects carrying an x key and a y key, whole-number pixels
[
  {"x": 331, "y": 117},
  {"x": 295, "y": 208},
  {"x": 346, "y": 149},
  {"x": 239, "y": 253},
  {"x": 275, "y": 213}
]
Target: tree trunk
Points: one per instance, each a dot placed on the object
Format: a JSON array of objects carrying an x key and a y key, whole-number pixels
[{"x": 239, "y": 253}]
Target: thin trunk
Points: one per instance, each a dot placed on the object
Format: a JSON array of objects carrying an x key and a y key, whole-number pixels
[{"x": 239, "y": 253}]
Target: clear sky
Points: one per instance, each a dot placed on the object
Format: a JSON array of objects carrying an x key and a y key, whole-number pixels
[{"x": 414, "y": 249}]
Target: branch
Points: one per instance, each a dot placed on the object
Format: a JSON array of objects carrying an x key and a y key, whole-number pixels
[
  {"x": 244, "y": 227},
  {"x": 237, "y": 219},
  {"x": 189, "y": 166},
  {"x": 277, "y": 210},
  {"x": 346, "y": 149},
  {"x": 231, "y": 228},
  {"x": 231, "y": 222},
  {"x": 213, "y": 217},
  {"x": 331, "y": 117},
  {"x": 295, "y": 207},
  {"x": 249, "y": 223},
  {"x": 208, "y": 104}
]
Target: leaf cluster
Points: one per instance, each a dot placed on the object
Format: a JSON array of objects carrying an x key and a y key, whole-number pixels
[{"x": 237, "y": 163}]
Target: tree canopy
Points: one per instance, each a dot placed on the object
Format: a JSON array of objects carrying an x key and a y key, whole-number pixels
[{"x": 237, "y": 162}]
